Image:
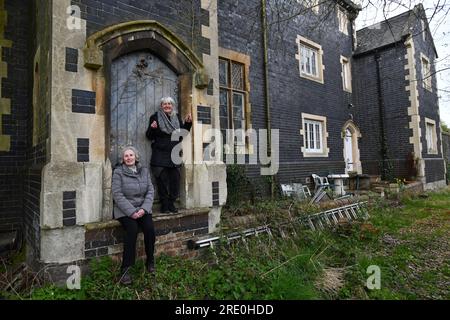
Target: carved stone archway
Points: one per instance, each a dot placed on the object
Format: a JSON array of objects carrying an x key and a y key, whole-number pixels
[{"x": 104, "y": 46}]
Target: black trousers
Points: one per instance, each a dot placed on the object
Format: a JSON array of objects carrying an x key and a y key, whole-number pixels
[
  {"x": 131, "y": 227},
  {"x": 168, "y": 181}
]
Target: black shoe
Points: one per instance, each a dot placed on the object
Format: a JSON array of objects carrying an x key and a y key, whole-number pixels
[
  {"x": 172, "y": 208},
  {"x": 164, "y": 207},
  {"x": 151, "y": 267},
  {"x": 126, "y": 279}
]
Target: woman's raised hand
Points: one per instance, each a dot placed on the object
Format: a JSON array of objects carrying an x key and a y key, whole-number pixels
[{"x": 154, "y": 125}]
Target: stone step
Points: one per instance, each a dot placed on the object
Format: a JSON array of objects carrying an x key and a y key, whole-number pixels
[{"x": 157, "y": 216}]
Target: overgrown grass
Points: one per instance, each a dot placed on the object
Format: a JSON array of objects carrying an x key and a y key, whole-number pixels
[{"x": 408, "y": 239}]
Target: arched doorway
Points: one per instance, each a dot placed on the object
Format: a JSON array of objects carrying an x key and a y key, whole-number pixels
[
  {"x": 348, "y": 151},
  {"x": 138, "y": 82},
  {"x": 350, "y": 134},
  {"x": 122, "y": 45}
]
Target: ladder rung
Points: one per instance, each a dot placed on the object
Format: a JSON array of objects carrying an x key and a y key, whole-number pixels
[
  {"x": 347, "y": 214},
  {"x": 311, "y": 224}
]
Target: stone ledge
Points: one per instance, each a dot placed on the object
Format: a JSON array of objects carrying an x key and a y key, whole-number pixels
[
  {"x": 182, "y": 213},
  {"x": 156, "y": 217}
]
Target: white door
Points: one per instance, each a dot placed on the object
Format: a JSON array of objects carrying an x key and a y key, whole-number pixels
[{"x": 348, "y": 151}]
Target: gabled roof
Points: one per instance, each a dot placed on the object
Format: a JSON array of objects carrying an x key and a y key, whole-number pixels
[{"x": 390, "y": 31}]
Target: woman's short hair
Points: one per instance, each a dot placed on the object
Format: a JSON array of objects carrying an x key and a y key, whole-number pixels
[
  {"x": 167, "y": 100},
  {"x": 125, "y": 149}
]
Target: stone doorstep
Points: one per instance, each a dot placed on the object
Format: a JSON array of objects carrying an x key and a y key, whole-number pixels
[{"x": 156, "y": 217}]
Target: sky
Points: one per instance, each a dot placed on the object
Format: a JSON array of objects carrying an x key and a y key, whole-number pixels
[{"x": 438, "y": 15}]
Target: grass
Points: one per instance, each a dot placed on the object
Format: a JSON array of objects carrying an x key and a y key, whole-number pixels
[{"x": 407, "y": 238}]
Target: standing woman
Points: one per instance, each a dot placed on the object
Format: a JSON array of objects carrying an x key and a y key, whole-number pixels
[
  {"x": 161, "y": 126},
  {"x": 132, "y": 190}
]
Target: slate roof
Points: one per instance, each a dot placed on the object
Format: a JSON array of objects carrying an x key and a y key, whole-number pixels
[{"x": 387, "y": 32}]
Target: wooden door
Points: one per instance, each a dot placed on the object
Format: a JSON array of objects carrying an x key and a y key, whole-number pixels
[{"x": 138, "y": 82}]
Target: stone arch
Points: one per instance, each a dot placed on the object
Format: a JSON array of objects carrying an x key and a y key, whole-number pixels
[
  {"x": 128, "y": 36},
  {"x": 351, "y": 127}
]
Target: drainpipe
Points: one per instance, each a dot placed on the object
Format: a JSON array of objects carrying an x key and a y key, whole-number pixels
[
  {"x": 266, "y": 86},
  {"x": 383, "y": 150}
]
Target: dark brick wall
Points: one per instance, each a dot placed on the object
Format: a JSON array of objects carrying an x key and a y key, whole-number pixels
[
  {"x": 290, "y": 95},
  {"x": 172, "y": 235},
  {"x": 10, "y": 199},
  {"x": 16, "y": 88},
  {"x": 183, "y": 17},
  {"x": 429, "y": 107},
  {"x": 446, "y": 146},
  {"x": 428, "y": 100},
  {"x": 38, "y": 121},
  {"x": 395, "y": 116},
  {"x": 32, "y": 193},
  {"x": 434, "y": 170}
]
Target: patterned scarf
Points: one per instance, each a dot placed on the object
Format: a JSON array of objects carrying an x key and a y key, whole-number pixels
[{"x": 166, "y": 125}]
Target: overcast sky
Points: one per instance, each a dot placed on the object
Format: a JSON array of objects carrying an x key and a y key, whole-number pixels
[{"x": 439, "y": 26}]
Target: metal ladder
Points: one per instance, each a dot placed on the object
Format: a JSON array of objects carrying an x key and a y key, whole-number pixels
[
  {"x": 332, "y": 217},
  {"x": 317, "y": 221}
]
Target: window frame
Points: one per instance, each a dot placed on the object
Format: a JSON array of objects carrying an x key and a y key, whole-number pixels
[
  {"x": 426, "y": 74},
  {"x": 311, "y": 119},
  {"x": 346, "y": 74},
  {"x": 424, "y": 30},
  {"x": 314, "y": 128},
  {"x": 431, "y": 147},
  {"x": 238, "y": 58},
  {"x": 343, "y": 20},
  {"x": 313, "y": 47},
  {"x": 231, "y": 92}
]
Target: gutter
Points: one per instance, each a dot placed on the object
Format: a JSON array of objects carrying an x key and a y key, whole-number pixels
[
  {"x": 266, "y": 86},
  {"x": 381, "y": 108}
]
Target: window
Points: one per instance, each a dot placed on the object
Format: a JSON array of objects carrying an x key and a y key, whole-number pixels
[
  {"x": 342, "y": 20},
  {"x": 426, "y": 72},
  {"x": 313, "y": 132},
  {"x": 234, "y": 108},
  {"x": 232, "y": 94},
  {"x": 430, "y": 132},
  {"x": 346, "y": 74},
  {"x": 424, "y": 30},
  {"x": 314, "y": 136},
  {"x": 310, "y": 59}
]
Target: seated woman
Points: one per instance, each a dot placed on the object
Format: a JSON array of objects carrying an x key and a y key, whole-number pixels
[
  {"x": 160, "y": 128},
  {"x": 132, "y": 191}
]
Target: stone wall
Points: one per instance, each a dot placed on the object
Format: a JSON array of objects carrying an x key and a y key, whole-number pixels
[{"x": 172, "y": 233}]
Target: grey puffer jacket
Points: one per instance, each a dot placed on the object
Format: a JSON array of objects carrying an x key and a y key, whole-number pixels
[{"x": 131, "y": 191}]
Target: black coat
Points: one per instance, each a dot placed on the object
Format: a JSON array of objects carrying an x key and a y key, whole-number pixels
[{"x": 162, "y": 145}]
